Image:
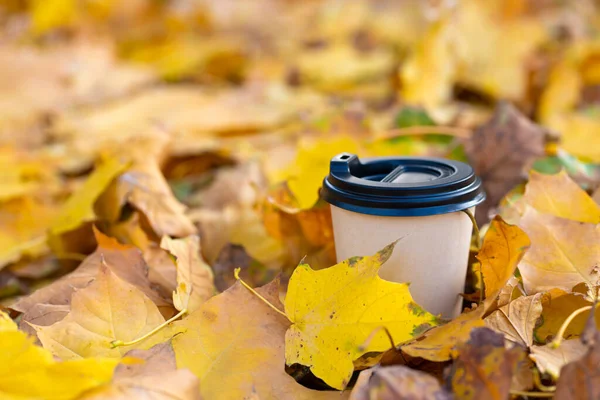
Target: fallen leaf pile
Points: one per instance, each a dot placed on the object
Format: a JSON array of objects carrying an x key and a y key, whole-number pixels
[{"x": 162, "y": 231}]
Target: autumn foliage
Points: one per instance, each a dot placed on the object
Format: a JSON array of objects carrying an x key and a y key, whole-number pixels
[{"x": 162, "y": 234}]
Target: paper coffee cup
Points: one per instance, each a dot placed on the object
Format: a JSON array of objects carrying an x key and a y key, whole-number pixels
[{"x": 420, "y": 201}]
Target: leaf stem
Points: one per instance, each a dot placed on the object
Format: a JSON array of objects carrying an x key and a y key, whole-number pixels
[
  {"x": 478, "y": 243},
  {"x": 236, "y": 273},
  {"x": 559, "y": 336},
  {"x": 368, "y": 340},
  {"x": 531, "y": 394},
  {"x": 538, "y": 383},
  {"x": 120, "y": 343},
  {"x": 475, "y": 226}
]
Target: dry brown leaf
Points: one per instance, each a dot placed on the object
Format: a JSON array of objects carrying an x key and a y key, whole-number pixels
[
  {"x": 518, "y": 319},
  {"x": 389, "y": 383},
  {"x": 501, "y": 151},
  {"x": 550, "y": 359},
  {"x": 484, "y": 368},
  {"x": 51, "y": 303},
  {"x": 149, "y": 375}
]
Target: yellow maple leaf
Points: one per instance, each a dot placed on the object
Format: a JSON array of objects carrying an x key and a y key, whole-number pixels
[
  {"x": 79, "y": 207},
  {"x": 560, "y": 196},
  {"x": 194, "y": 276},
  {"x": 502, "y": 249},
  {"x": 107, "y": 310},
  {"x": 28, "y": 371},
  {"x": 334, "y": 310}
]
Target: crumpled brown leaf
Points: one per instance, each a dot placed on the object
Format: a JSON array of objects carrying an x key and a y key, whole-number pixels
[
  {"x": 397, "y": 382},
  {"x": 501, "y": 152},
  {"x": 194, "y": 277},
  {"x": 484, "y": 367}
]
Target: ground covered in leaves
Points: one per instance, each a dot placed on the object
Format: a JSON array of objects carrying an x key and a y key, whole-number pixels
[{"x": 161, "y": 231}]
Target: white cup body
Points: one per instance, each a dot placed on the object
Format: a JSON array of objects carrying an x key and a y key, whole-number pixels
[{"x": 432, "y": 253}]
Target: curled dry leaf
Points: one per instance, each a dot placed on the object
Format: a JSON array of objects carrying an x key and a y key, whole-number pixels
[
  {"x": 51, "y": 303},
  {"x": 28, "y": 371},
  {"x": 107, "y": 310},
  {"x": 501, "y": 151},
  {"x": 563, "y": 252},
  {"x": 194, "y": 277},
  {"x": 144, "y": 186},
  {"x": 511, "y": 291},
  {"x": 484, "y": 368},
  {"x": 503, "y": 247},
  {"x": 334, "y": 310},
  {"x": 550, "y": 359},
  {"x": 518, "y": 319},
  {"x": 149, "y": 374},
  {"x": 388, "y": 383},
  {"x": 224, "y": 346}
]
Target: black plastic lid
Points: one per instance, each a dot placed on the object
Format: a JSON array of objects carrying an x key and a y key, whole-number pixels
[{"x": 401, "y": 186}]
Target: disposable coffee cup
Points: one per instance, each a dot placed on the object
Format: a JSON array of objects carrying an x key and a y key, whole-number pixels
[{"x": 421, "y": 202}]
